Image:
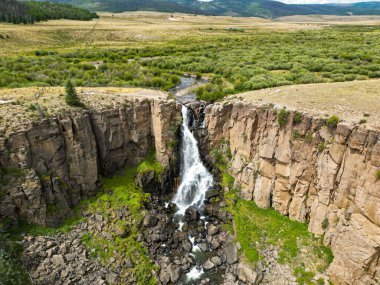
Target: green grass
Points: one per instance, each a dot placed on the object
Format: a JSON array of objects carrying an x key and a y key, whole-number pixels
[
  {"x": 124, "y": 194},
  {"x": 303, "y": 277},
  {"x": 227, "y": 180},
  {"x": 119, "y": 192},
  {"x": 150, "y": 164},
  {"x": 252, "y": 224},
  {"x": 11, "y": 270}
]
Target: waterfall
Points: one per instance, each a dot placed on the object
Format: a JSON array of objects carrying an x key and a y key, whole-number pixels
[{"x": 195, "y": 178}]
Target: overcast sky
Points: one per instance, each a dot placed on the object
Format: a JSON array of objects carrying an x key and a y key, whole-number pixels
[
  {"x": 315, "y": 1},
  {"x": 324, "y": 1}
]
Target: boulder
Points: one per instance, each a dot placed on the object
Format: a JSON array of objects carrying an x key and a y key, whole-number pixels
[
  {"x": 57, "y": 260},
  {"x": 192, "y": 214},
  {"x": 187, "y": 245},
  {"x": 150, "y": 221},
  {"x": 231, "y": 253},
  {"x": 246, "y": 274},
  {"x": 212, "y": 229},
  {"x": 208, "y": 265}
]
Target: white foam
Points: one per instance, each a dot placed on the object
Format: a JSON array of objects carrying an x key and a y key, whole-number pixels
[
  {"x": 196, "y": 179},
  {"x": 194, "y": 273},
  {"x": 180, "y": 226}
]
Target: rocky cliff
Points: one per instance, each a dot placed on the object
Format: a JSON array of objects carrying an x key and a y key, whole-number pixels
[
  {"x": 325, "y": 176},
  {"x": 47, "y": 168}
]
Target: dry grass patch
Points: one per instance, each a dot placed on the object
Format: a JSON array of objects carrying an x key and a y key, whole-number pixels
[
  {"x": 19, "y": 106},
  {"x": 350, "y": 101}
]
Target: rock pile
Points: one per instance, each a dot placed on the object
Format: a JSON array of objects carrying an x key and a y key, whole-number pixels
[{"x": 62, "y": 259}]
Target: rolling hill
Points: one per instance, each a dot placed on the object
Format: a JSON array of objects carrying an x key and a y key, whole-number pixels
[{"x": 245, "y": 8}]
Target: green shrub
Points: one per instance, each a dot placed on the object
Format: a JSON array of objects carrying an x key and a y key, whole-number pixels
[
  {"x": 325, "y": 223},
  {"x": 11, "y": 269},
  {"x": 32, "y": 107},
  {"x": 296, "y": 135},
  {"x": 297, "y": 118},
  {"x": 321, "y": 281},
  {"x": 362, "y": 121},
  {"x": 309, "y": 138},
  {"x": 282, "y": 117},
  {"x": 321, "y": 146},
  {"x": 332, "y": 121},
  {"x": 303, "y": 277},
  {"x": 71, "y": 96},
  {"x": 377, "y": 174}
]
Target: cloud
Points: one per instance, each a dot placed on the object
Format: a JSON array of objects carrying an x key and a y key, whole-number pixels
[{"x": 323, "y": 1}]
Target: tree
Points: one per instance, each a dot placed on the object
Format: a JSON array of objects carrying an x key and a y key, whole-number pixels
[{"x": 71, "y": 96}]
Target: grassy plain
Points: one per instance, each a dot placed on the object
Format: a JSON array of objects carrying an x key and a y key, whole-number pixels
[
  {"x": 133, "y": 29},
  {"x": 150, "y": 50},
  {"x": 355, "y": 101}
]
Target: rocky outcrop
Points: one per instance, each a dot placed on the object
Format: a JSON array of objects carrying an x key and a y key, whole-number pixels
[
  {"x": 311, "y": 173},
  {"x": 48, "y": 168}
]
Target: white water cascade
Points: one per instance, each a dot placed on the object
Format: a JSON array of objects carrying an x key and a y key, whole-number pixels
[
  {"x": 195, "y": 181},
  {"x": 195, "y": 178}
]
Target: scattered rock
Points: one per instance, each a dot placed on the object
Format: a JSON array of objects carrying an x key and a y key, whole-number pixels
[
  {"x": 231, "y": 253},
  {"x": 208, "y": 265},
  {"x": 57, "y": 260}
]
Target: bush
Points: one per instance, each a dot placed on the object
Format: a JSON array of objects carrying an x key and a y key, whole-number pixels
[
  {"x": 71, "y": 96},
  {"x": 378, "y": 174},
  {"x": 332, "y": 121},
  {"x": 283, "y": 117},
  {"x": 321, "y": 146},
  {"x": 309, "y": 138},
  {"x": 325, "y": 223},
  {"x": 296, "y": 135},
  {"x": 297, "y": 118}
]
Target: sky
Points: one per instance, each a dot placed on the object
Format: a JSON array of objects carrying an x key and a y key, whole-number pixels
[
  {"x": 324, "y": 1},
  {"x": 315, "y": 1}
]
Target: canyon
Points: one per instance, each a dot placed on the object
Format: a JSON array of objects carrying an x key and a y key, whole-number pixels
[{"x": 317, "y": 174}]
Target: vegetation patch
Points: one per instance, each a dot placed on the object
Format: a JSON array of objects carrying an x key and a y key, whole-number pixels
[
  {"x": 321, "y": 146},
  {"x": 119, "y": 193},
  {"x": 309, "y": 137},
  {"x": 282, "y": 117},
  {"x": 71, "y": 97},
  {"x": 332, "y": 121},
  {"x": 28, "y": 12},
  {"x": 150, "y": 164},
  {"x": 252, "y": 60},
  {"x": 297, "y": 118},
  {"x": 253, "y": 224},
  {"x": 11, "y": 270},
  {"x": 377, "y": 174}
]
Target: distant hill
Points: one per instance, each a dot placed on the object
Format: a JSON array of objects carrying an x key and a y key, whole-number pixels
[
  {"x": 28, "y": 12},
  {"x": 245, "y": 8}
]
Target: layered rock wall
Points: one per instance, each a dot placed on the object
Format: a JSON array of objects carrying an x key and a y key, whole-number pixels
[
  {"x": 49, "y": 167},
  {"x": 311, "y": 173}
]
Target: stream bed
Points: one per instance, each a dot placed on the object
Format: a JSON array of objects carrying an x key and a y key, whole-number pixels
[{"x": 185, "y": 234}]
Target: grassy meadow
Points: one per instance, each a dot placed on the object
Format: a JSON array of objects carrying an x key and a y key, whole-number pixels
[{"x": 151, "y": 50}]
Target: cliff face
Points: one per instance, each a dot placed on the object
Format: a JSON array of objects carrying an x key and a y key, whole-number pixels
[
  {"x": 311, "y": 173},
  {"x": 52, "y": 165}
]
